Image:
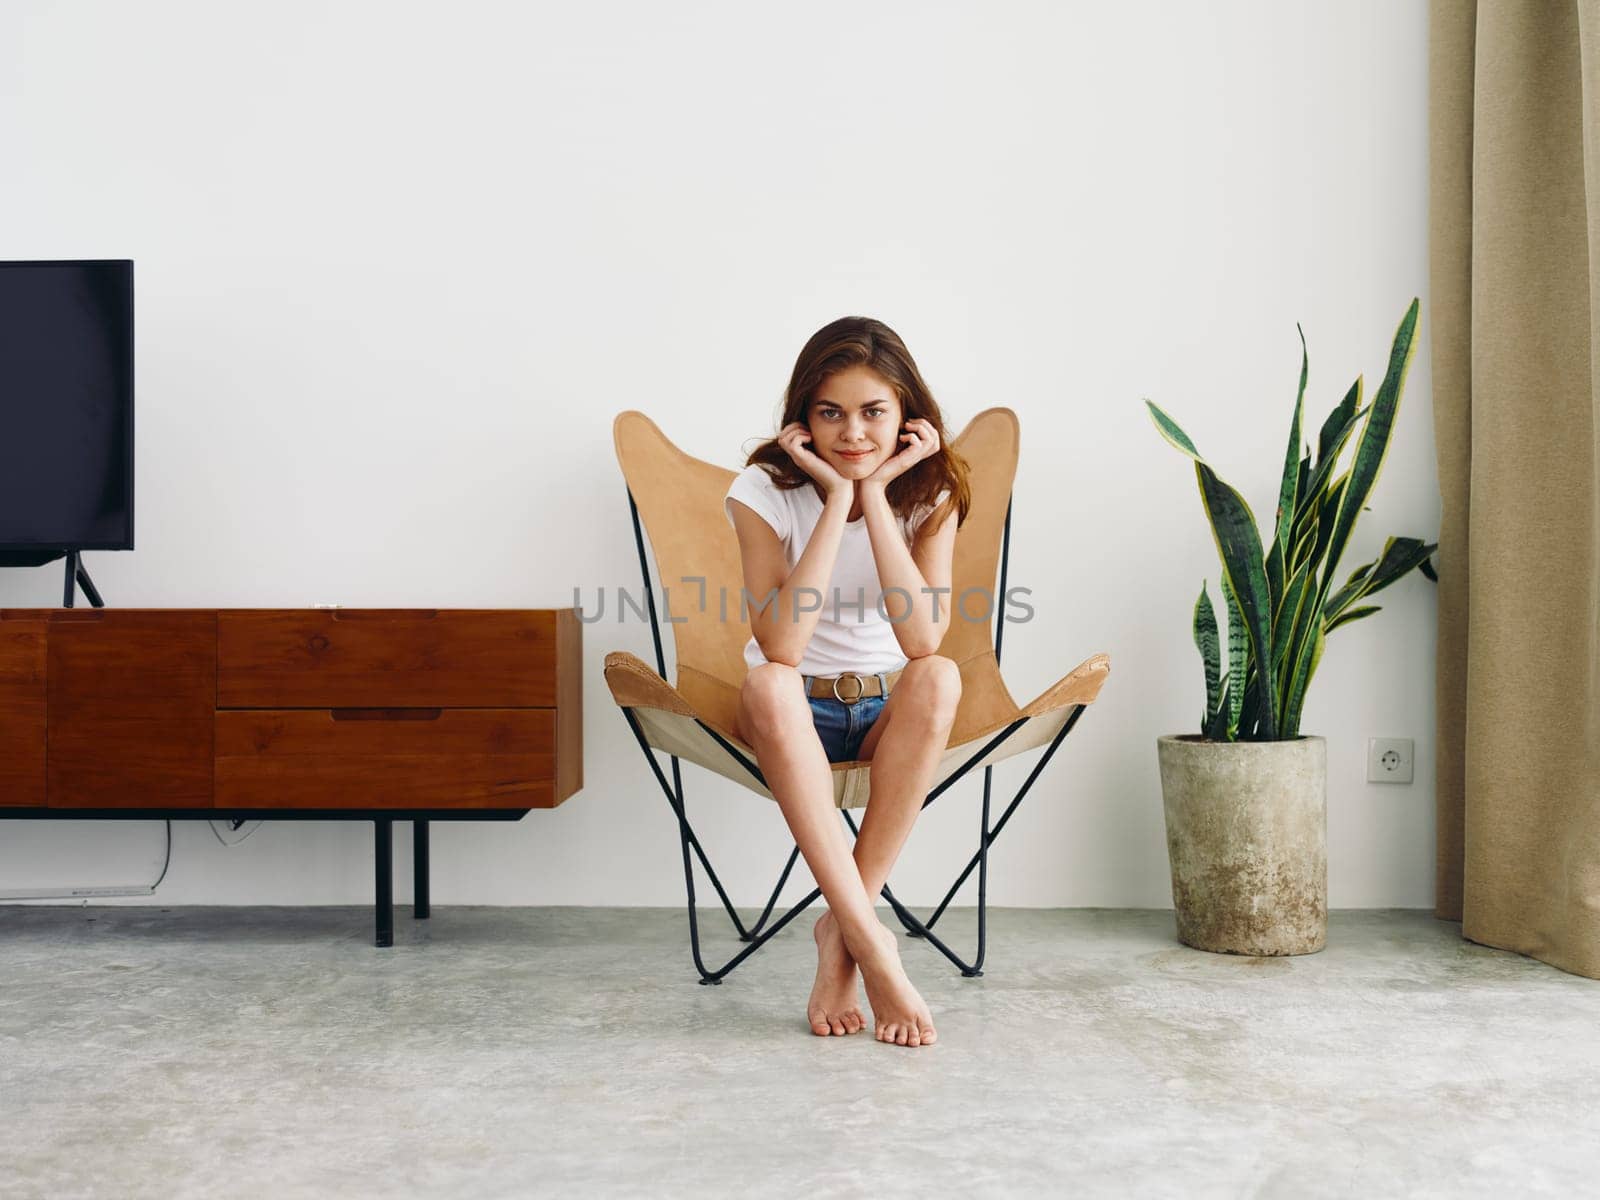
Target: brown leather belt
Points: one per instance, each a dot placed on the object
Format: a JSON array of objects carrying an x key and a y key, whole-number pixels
[{"x": 850, "y": 687}]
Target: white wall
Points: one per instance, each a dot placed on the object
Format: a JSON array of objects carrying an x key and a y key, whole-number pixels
[{"x": 398, "y": 266}]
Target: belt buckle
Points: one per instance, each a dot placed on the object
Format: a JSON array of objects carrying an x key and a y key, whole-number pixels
[{"x": 861, "y": 688}]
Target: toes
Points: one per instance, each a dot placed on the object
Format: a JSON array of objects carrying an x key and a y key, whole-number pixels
[
  {"x": 902, "y": 1038},
  {"x": 929, "y": 1036},
  {"x": 837, "y": 1026}
]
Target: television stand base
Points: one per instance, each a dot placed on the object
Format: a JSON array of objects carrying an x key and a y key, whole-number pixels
[{"x": 77, "y": 573}]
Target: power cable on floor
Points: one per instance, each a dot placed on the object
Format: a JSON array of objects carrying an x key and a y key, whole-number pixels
[
  {"x": 233, "y": 825},
  {"x": 78, "y": 893}
]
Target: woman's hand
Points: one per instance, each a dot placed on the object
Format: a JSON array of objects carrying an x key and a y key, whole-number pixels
[
  {"x": 793, "y": 438},
  {"x": 923, "y": 442}
]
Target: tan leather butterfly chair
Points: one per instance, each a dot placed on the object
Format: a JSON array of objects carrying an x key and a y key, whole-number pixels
[{"x": 697, "y": 559}]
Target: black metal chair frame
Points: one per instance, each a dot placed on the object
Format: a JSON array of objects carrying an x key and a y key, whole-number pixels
[{"x": 914, "y": 927}]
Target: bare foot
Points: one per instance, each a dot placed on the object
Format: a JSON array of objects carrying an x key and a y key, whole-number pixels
[
  {"x": 833, "y": 1007},
  {"x": 899, "y": 1014}
]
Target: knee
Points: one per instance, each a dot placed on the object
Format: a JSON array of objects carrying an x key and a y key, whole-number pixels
[
  {"x": 770, "y": 691},
  {"x": 933, "y": 683}
]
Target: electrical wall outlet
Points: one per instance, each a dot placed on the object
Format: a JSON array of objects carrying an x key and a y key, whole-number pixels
[{"x": 1389, "y": 760}]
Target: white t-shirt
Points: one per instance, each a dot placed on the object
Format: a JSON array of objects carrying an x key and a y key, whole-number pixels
[{"x": 851, "y": 633}]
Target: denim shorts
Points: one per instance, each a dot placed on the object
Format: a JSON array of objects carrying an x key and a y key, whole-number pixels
[{"x": 843, "y": 727}]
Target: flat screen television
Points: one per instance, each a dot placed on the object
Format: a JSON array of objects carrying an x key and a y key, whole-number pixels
[{"x": 66, "y": 408}]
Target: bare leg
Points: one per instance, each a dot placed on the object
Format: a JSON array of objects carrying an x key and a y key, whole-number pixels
[
  {"x": 775, "y": 719},
  {"x": 904, "y": 745}
]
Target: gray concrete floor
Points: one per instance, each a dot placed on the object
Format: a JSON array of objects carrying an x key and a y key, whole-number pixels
[{"x": 210, "y": 1052}]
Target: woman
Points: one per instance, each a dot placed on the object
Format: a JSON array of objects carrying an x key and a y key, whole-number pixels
[{"x": 847, "y": 524}]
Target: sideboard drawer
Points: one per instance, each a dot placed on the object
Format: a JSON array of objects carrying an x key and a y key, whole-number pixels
[
  {"x": 352, "y": 658},
  {"x": 386, "y": 758},
  {"x": 132, "y": 694},
  {"x": 22, "y": 711}
]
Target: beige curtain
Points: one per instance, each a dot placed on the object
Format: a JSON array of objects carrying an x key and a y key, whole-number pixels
[{"x": 1515, "y": 260}]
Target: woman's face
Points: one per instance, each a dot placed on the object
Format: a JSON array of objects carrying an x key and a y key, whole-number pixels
[{"x": 855, "y": 422}]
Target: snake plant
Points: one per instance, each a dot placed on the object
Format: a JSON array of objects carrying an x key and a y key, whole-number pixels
[{"x": 1280, "y": 598}]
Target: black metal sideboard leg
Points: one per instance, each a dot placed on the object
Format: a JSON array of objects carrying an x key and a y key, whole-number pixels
[
  {"x": 419, "y": 868},
  {"x": 383, "y": 853}
]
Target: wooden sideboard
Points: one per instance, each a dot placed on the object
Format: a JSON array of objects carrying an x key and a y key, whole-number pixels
[{"x": 381, "y": 714}]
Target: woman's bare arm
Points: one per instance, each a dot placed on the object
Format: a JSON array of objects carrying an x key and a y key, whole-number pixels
[
  {"x": 920, "y": 612},
  {"x": 780, "y": 623},
  {"x": 784, "y": 605},
  {"x": 912, "y": 578}
]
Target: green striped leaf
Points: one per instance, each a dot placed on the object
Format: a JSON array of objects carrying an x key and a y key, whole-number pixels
[
  {"x": 1337, "y": 427},
  {"x": 1306, "y": 538},
  {"x": 1351, "y": 591},
  {"x": 1205, "y": 640},
  {"x": 1215, "y": 726},
  {"x": 1374, "y": 444},
  {"x": 1238, "y": 659},
  {"x": 1284, "y": 525},
  {"x": 1303, "y": 630},
  {"x": 1350, "y": 614},
  {"x": 1327, "y": 519},
  {"x": 1168, "y": 428},
  {"x": 1286, "y": 618},
  {"x": 1234, "y": 528},
  {"x": 1400, "y": 556},
  {"x": 1302, "y": 680},
  {"x": 1324, "y": 468},
  {"x": 1275, "y": 570}
]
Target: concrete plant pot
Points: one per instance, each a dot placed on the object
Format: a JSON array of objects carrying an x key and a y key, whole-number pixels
[{"x": 1247, "y": 839}]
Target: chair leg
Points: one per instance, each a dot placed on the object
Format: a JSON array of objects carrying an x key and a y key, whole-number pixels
[
  {"x": 1034, "y": 774},
  {"x": 674, "y": 795},
  {"x": 917, "y": 929},
  {"x": 984, "y": 838},
  {"x": 794, "y": 856},
  {"x": 686, "y": 837},
  {"x": 914, "y": 927},
  {"x": 980, "y": 860}
]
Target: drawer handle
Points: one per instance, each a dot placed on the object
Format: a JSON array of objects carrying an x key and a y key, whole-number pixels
[{"x": 385, "y": 714}]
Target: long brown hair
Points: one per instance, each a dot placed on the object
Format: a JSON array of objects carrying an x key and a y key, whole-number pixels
[{"x": 864, "y": 342}]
